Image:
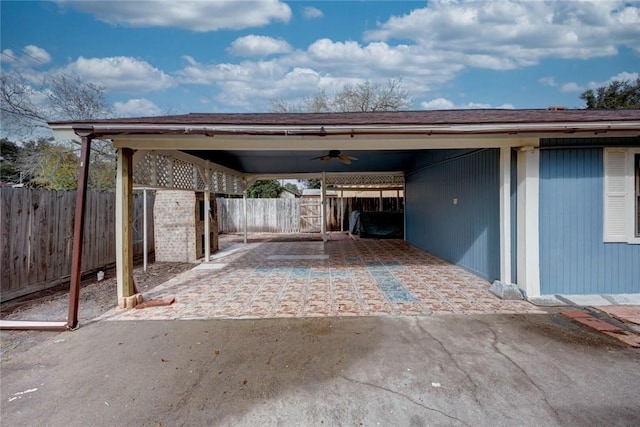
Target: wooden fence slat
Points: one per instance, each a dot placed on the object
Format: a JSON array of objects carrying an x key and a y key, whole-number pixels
[
  {"x": 291, "y": 215},
  {"x": 36, "y": 227}
]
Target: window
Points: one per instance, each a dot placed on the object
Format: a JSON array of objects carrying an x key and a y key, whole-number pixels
[{"x": 622, "y": 195}]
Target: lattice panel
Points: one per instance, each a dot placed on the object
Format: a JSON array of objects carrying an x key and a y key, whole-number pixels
[
  {"x": 142, "y": 171},
  {"x": 199, "y": 179},
  {"x": 162, "y": 171},
  {"x": 237, "y": 185},
  {"x": 164, "y": 175},
  {"x": 365, "y": 180},
  {"x": 182, "y": 175}
]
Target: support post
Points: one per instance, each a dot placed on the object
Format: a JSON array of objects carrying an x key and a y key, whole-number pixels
[
  {"x": 78, "y": 233},
  {"x": 404, "y": 207},
  {"x": 341, "y": 210},
  {"x": 503, "y": 288},
  {"x": 124, "y": 233},
  {"x": 528, "y": 221},
  {"x": 244, "y": 220},
  {"x": 207, "y": 217},
  {"x": 380, "y": 208},
  {"x": 323, "y": 207},
  {"x": 145, "y": 244}
]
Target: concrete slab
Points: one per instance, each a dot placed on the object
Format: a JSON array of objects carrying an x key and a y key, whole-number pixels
[
  {"x": 586, "y": 300},
  {"x": 480, "y": 370},
  {"x": 547, "y": 301}
]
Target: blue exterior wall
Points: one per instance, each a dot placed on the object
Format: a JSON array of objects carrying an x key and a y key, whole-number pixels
[
  {"x": 573, "y": 257},
  {"x": 465, "y": 234}
]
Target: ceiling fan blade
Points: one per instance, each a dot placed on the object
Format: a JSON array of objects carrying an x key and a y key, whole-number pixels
[
  {"x": 350, "y": 157},
  {"x": 345, "y": 160},
  {"x": 325, "y": 159}
]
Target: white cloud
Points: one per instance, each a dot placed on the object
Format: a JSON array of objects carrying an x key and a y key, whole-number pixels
[
  {"x": 253, "y": 45},
  {"x": 311, "y": 12},
  {"x": 198, "y": 15},
  {"x": 570, "y": 87},
  {"x": 140, "y": 107},
  {"x": 437, "y": 104},
  {"x": 548, "y": 81},
  {"x": 121, "y": 73},
  {"x": 445, "y": 104},
  {"x": 31, "y": 56},
  {"x": 511, "y": 34}
]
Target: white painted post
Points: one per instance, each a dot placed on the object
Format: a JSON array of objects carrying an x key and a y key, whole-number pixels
[
  {"x": 505, "y": 215},
  {"x": 207, "y": 224},
  {"x": 244, "y": 201},
  {"x": 528, "y": 221},
  {"x": 323, "y": 207},
  {"x": 341, "y": 210},
  {"x": 145, "y": 247}
]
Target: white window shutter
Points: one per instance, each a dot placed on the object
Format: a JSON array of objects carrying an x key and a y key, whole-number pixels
[{"x": 615, "y": 161}]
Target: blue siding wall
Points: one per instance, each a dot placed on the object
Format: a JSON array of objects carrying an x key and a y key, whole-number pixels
[
  {"x": 573, "y": 257},
  {"x": 466, "y": 234}
]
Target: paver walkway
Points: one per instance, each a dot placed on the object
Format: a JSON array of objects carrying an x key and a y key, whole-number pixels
[{"x": 342, "y": 277}]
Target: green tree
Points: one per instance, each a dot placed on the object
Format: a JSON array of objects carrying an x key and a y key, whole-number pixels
[
  {"x": 617, "y": 94},
  {"x": 9, "y": 157},
  {"x": 313, "y": 183},
  {"x": 291, "y": 187},
  {"x": 268, "y": 189}
]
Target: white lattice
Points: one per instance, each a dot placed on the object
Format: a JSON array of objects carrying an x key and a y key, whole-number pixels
[
  {"x": 366, "y": 180},
  {"x": 142, "y": 171},
  {"x": 165, "y": 171}
]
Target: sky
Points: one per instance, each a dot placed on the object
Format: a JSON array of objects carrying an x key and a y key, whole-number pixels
[{"x": 158, "y": 57}]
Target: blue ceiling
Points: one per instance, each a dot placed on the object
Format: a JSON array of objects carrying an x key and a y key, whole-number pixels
[{"x": 291, "y": 162}]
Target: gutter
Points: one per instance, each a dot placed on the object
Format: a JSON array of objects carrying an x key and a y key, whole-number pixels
[{"x": 530, "y": 129}]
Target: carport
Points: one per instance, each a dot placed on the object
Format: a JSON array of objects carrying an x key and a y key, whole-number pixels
[{"x": 486, "y": 154}]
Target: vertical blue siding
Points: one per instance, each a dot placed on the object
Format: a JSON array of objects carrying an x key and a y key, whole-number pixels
[
  {"x": 573, "y": 257},
  {"x": 466, "y": 234}
]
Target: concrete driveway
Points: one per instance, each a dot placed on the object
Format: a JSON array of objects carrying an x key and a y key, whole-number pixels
[{"x": 480, "y": 370}]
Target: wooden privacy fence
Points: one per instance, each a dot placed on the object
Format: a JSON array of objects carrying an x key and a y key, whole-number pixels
[
  {"x": 263, "y": 215},
  {"x": 294, "y": 215},
  {"x": 37, "y": 236}
]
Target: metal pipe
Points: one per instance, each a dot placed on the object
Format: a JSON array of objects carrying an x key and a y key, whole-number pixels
[
  {"x": 33, "y": 325},
  {"x": 78, "y": 233}
]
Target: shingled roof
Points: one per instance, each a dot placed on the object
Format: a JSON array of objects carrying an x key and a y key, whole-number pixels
[{"x": 438, "y": 117}]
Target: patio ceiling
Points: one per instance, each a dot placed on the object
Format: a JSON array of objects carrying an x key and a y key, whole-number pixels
[{"x": 297, "y": 162}]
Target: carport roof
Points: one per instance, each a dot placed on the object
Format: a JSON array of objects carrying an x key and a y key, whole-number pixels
[{"x": 436, "y": 117}]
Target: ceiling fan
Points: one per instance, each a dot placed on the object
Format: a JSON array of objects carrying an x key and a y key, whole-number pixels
[{"x": 336, "y": 154}]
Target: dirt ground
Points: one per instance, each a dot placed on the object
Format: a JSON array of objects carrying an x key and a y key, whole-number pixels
[
  {"x": 98, "y": 297},
  {"x": 95, "y": 299}
]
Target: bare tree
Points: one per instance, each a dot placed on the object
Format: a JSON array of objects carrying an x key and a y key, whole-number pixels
[
  {"x": 26, "y": 108},
  {"x": 365, "y": 96}
]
